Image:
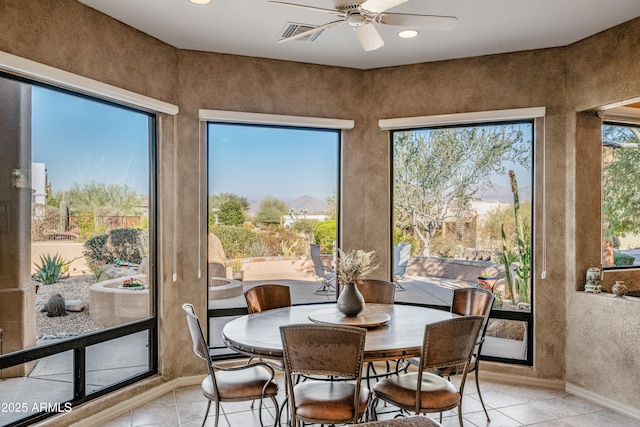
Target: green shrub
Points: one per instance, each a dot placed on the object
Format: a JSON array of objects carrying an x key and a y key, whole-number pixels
[
  {"x": 304, "y": 227},
  {"x": 231, "y": 213},
  {"x": 51, "y": 269},
  {"x": 622, "y": 259},
  {"x": 324, "y": 234},
  {"x": 86, "y": 225},
  {"x": 127, "y": 244},
  {"x": 283, "y": 241},
  {"x": 259, "y": 249},
  {"x": 399, "y": 237},
  {"x": 236, "y": 241},
  {"x": 94, "y": 248}
]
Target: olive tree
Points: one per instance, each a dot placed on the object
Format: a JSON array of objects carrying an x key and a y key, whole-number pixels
[
  {"x": 620, "y": 190},
  {"x": 271, "y": 211},
  {"x": 437, "y": 172}
]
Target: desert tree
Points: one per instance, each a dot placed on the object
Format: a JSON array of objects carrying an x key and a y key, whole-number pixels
[{"x": 438, "y": 172}]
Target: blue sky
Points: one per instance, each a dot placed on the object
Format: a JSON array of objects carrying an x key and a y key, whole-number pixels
[
  {"x": 80, "y": 140},
  {"x": 258, "y": 161}
]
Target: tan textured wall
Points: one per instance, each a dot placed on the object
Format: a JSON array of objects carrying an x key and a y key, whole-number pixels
[
  {"x": 602, "y": 349},
  {"x": 67, "y": 35},
  {"x": 526, "y": 79}
]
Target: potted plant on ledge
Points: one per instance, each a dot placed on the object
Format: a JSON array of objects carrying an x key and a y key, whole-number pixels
[
  {"x": 236, "y": 269},
  {"x": 487, "y": 278}
]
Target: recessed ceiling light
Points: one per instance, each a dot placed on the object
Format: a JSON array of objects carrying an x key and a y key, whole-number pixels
[
  {"x": 200, "y": 1},
  {"x": 407, "y": 34}
]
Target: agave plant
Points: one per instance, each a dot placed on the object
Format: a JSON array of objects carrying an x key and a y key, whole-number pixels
[{"x": 51, "y": 269}]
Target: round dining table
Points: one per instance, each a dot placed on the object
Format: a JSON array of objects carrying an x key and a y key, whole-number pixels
[{"x": 396, "y": 332}]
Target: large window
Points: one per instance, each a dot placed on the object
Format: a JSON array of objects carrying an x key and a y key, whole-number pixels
[
  {"x": 272, "y": 193},
  {"x": 462, "y": 203},
  {"x": 81, "y": 208},
  {"x": 620, "y": 195}
]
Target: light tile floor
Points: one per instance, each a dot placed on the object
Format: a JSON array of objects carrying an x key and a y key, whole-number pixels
[{"x": 509, "y": 405}]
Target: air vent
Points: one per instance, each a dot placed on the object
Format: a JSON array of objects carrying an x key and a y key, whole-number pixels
[{"x": 292, "y": 28}]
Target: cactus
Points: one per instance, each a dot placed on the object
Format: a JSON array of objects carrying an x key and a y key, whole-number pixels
[
  {"x": 56, "y": 306},
  {"x": 523, "y": 272},
  {"x": 507, "y": 259}
]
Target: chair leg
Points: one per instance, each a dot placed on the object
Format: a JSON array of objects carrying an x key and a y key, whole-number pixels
[
  {"x": 206, "y": 414},
  {"x": 475, "y": 373},
  {"x": 260, "y": 412},
  {"x": 459, "y": 414},
  {"x": 215, "y": 423},
  {"x": 374, "y": 403},
  {"x": 277, "y": 411}
]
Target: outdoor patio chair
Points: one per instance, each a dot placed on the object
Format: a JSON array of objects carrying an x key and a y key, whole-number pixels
[
  {"x": 336, "y": 352},
  {"x": 446, "y": 343},
  {"x": 239, "y": 383},
  {"x": 469, "y": 302},
  {"x": 401, "y": 256},
  {"x": 326, "y": 275}
]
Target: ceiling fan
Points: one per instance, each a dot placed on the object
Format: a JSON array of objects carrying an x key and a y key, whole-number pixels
[{"x": 362, "y": 14}]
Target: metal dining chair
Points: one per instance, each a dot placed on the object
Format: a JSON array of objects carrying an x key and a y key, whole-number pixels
[
  {"x": 446, "y": 343},
  {"x": 330, "y": 351},
  {"x": 267, "y": 297},
  {"x": 466, "y": 302},
  {"x": 235, "y": 384},
  {"x": 378, "y": 292}
]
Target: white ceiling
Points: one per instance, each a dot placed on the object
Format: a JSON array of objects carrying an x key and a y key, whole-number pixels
[{"x": 251, "y": 28}]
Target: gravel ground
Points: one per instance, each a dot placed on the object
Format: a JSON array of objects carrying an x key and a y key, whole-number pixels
[{"x": 74, "y": 323}]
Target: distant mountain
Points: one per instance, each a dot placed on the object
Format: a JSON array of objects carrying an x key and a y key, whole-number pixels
[
  {"x": 308, "y": 203},
  {"x": 502, "y": 194}
]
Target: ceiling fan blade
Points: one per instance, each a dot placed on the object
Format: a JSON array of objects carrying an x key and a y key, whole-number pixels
[
  {"x": 303, "y": 6},
  {"x": 368, "y": 36},
  {"x": 431, "y": 22},
  {"x": 378, "y": 6},
  {"x": 313, "y": 30}
]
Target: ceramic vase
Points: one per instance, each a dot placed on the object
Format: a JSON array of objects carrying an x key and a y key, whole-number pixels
[
  {"x": 619, "y": 289},
  {"x": 350, "y": 301}
]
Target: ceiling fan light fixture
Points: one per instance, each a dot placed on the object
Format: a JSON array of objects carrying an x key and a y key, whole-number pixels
[
  {"x": 408, "y": 34},
  {"x": 200, "y": 1}
]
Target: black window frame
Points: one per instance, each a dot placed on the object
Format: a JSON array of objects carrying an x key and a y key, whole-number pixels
[
  {"x": 219, "y": 352},
  {"x": 525, "y": 316},
  {"x": 79, "y": 344}
]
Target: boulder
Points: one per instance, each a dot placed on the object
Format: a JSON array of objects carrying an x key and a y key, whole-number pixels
[
  {"x": 215, "y": 252},
  {"x": 74, "y": 305},
  {"x": 216, "y": 258},
  {"x": 144, "y": 266}
]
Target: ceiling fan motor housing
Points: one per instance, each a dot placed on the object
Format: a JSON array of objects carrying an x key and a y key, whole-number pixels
[{"x": 347, "y": 5}]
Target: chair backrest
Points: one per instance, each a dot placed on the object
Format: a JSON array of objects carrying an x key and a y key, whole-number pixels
[
  {"x": 401, "y": 256},
  {"x": 267, "y": 297},
  {"x": 317, "y": 262},
  {"x": 473, "y": 301},
  {"x": 449, "y": 342},
  {"x": 327, "y": 350},
  {"x": 377, "y": 291},
  {"x": 199, "y": 343}
]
